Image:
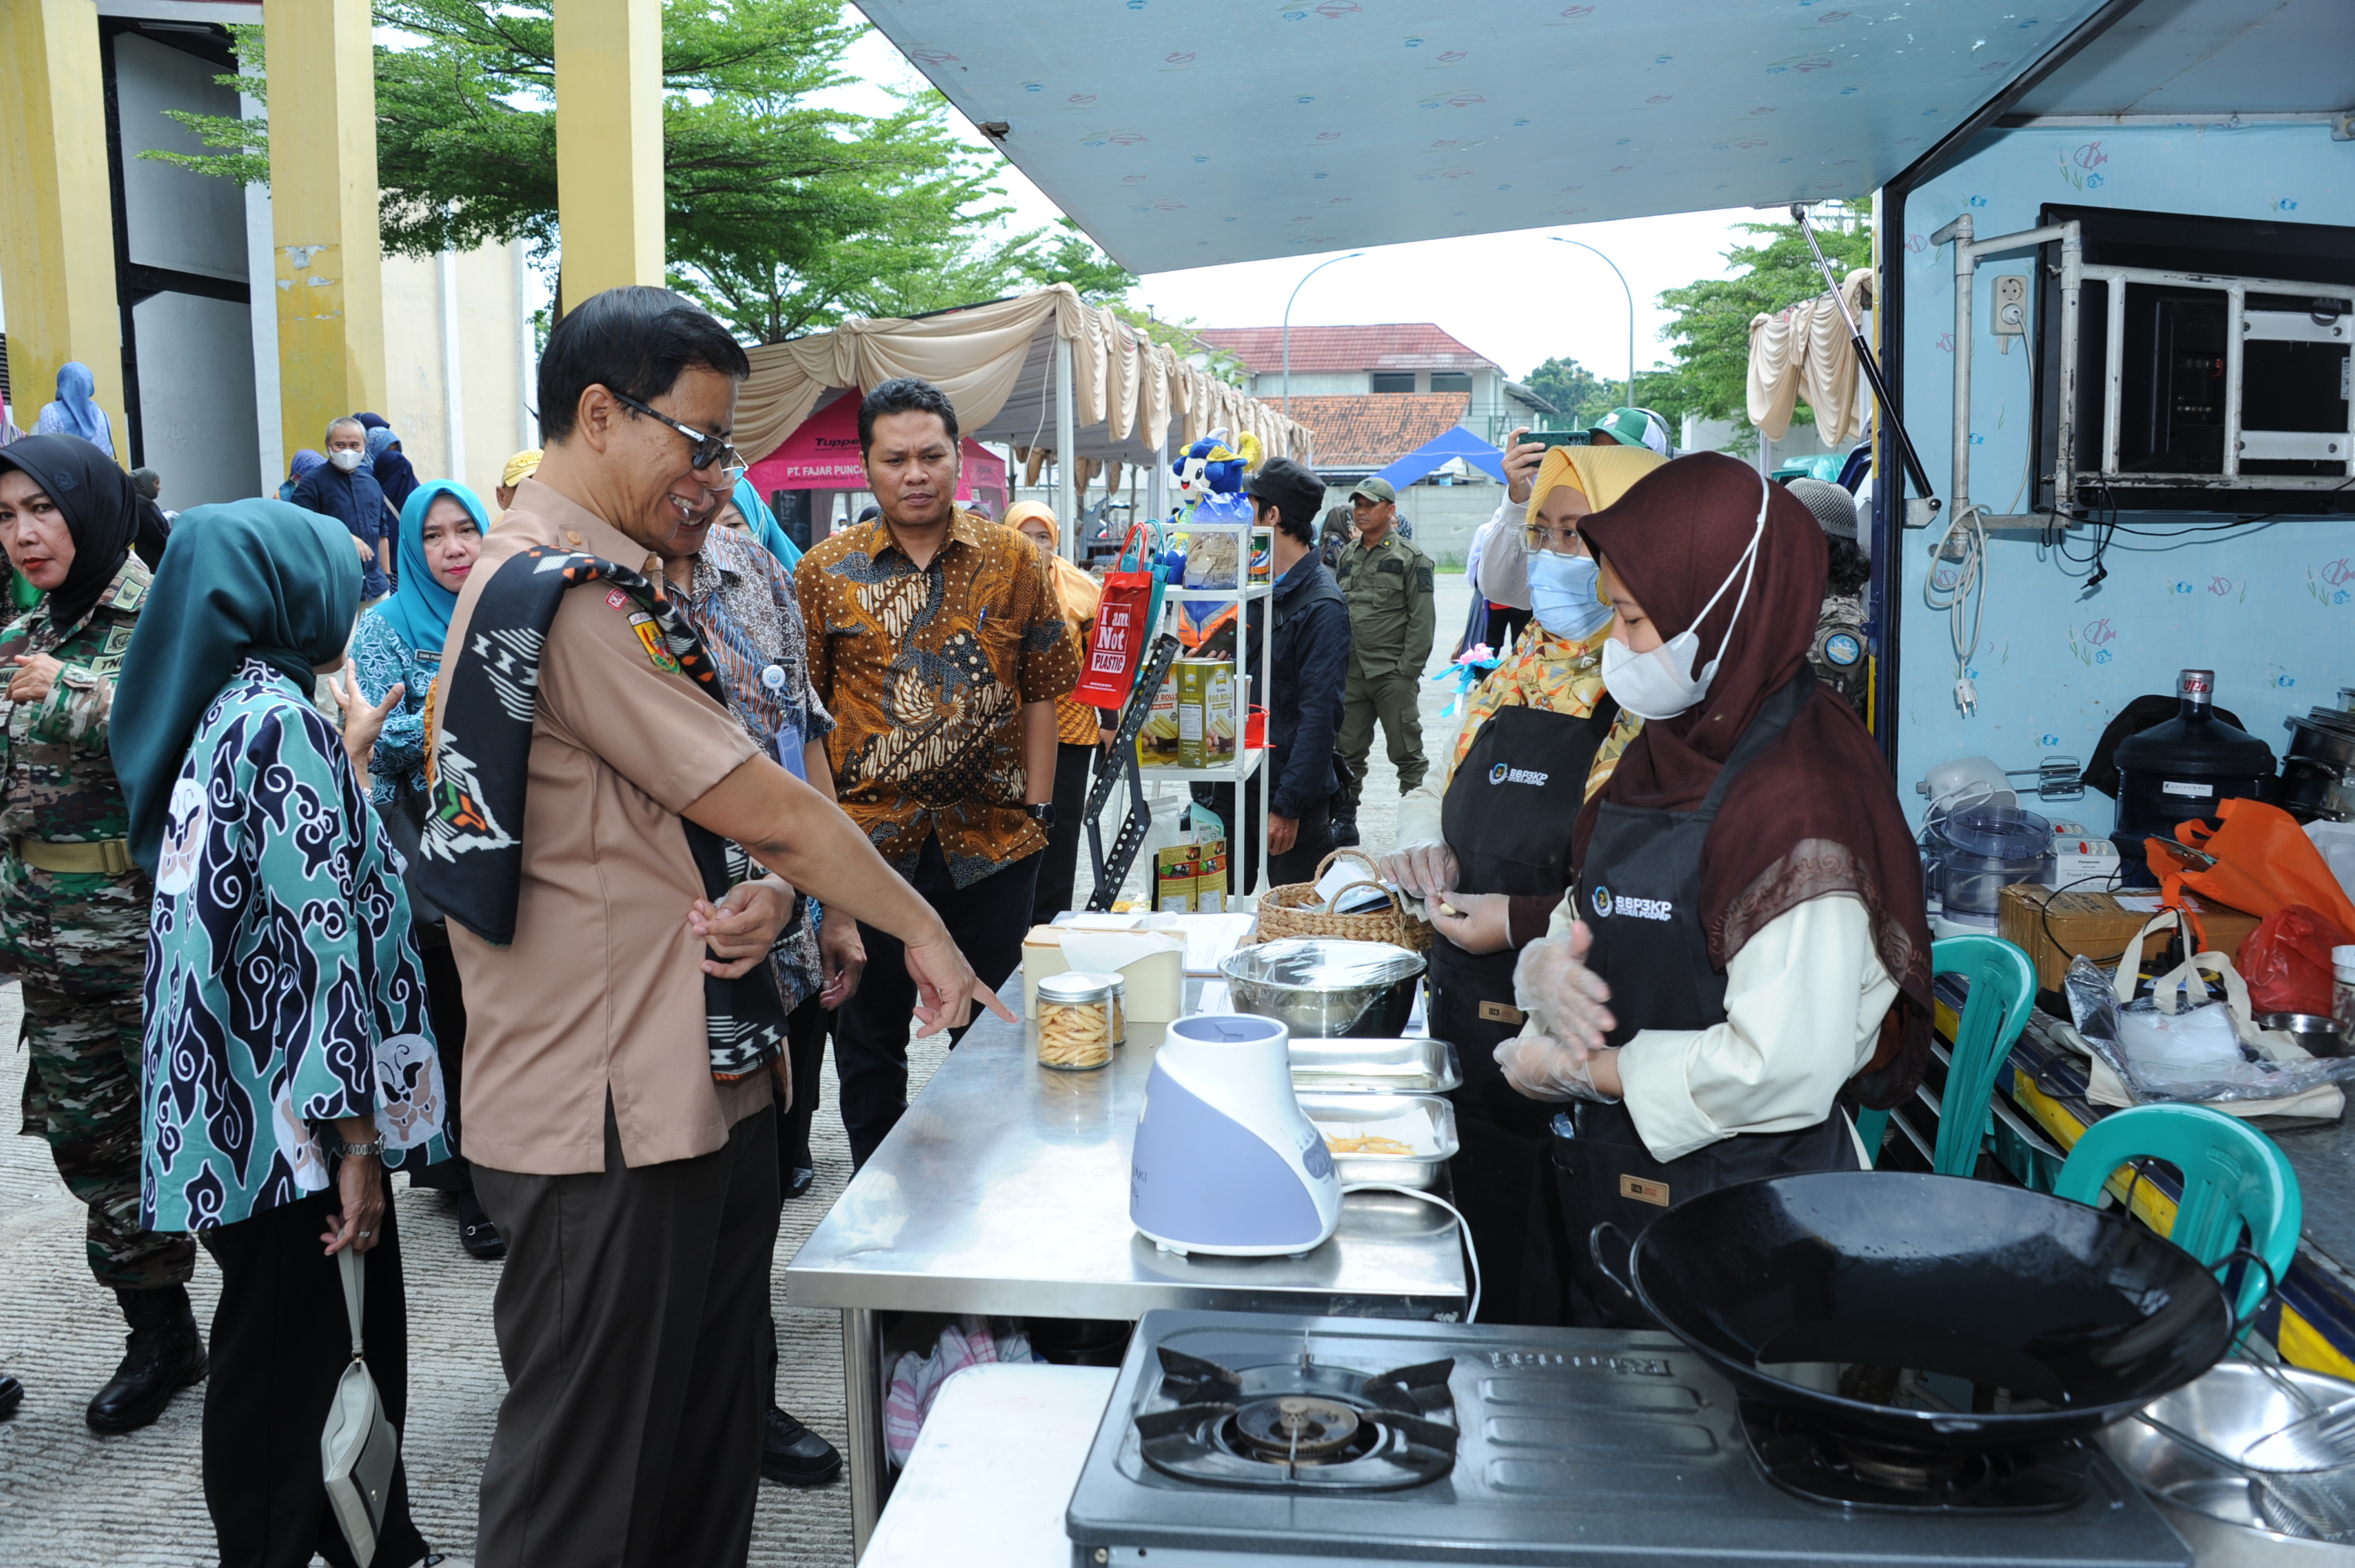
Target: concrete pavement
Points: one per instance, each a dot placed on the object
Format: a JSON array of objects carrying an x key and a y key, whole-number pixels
[{"x": 71, "y": 1500}]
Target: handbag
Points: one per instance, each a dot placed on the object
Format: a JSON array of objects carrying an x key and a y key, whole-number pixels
[
  {"x": 1126, "y": 617},
  {"x": 359, "y": 1448}
]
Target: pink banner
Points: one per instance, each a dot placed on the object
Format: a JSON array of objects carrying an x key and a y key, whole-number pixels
[{"x": 822, "y": 454}]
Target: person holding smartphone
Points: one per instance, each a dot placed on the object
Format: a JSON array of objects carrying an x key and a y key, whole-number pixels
[{"x": 1487, "y": 847}]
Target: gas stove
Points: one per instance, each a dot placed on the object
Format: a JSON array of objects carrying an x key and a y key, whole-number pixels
[{"x": 1242, "y": 1440}]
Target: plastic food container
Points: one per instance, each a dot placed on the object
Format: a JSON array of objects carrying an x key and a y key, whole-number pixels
[
  {"x": 1983, "y": 849},
  {"x": 1074, "y": 1022}
]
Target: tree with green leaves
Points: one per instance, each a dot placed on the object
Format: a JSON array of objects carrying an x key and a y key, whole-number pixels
[
  {"x": 1573, "y": 389},
  {"x": 1712, "y": 316},
  {"x": 782, "y": 215}
]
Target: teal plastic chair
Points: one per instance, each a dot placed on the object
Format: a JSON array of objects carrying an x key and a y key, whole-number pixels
[
  {"x": 2003, "y": 992},
  {"x": 2234, "y": 1177}
]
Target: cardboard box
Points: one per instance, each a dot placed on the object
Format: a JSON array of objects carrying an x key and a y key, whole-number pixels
[
  {"x": 1157, "y": 978},
  {"x": 1205, "y": 712},
  {"x": 2054, "y": 928}
]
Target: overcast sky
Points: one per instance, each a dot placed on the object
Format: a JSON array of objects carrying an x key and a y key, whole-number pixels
[{"x": 1518, "y": 298}]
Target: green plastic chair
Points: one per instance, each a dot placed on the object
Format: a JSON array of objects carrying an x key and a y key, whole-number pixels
[
  {"x": 2234, "y": 1176},
  {"x": 2003, "y": 992}
]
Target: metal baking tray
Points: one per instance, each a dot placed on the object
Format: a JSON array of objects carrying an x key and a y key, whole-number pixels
[
  {"x": 1405, "y": 1169},
  {"x": 1418, "y": 1066}
]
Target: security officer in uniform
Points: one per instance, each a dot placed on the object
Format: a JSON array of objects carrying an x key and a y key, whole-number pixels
[
  {"x": 73, "y": 906},
  {"x": 1840, "y": 652},
  {"x": 1387, "y": 582}
]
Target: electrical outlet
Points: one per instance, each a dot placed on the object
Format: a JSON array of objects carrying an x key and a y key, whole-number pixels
[{"x": 2010, "y": 311}]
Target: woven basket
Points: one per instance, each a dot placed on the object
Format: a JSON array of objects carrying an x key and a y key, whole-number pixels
[{"x": 1283, "y": 912}]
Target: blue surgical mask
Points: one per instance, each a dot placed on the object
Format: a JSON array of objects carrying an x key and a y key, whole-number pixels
[{"x": 1564, "y": 596}]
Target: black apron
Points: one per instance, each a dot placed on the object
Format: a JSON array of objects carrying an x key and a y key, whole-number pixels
[
  {"x": 1639, "y": 893},
  {"x": 1507, "y": 816}
]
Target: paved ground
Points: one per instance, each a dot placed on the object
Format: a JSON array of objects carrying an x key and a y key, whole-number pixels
[{"x": 70, "y": 1500}]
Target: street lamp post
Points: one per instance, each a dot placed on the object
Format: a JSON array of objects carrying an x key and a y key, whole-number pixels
[
  {"x": 1287, "y": 322},
  {"x": 1631, "y": 308}
]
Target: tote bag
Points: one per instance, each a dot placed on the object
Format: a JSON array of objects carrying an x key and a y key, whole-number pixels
[{"x": 1125, "y": 618}]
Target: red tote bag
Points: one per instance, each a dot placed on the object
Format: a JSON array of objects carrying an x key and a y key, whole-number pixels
[{"x": 1125, "y": 623}]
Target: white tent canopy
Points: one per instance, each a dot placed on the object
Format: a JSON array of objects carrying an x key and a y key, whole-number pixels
[{"x": 1037, "y": 369}]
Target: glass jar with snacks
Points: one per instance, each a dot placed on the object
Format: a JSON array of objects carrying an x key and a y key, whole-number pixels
[
  {"x": 1075, "y": 1020},
  {"x": 1119, "y": 1009}
]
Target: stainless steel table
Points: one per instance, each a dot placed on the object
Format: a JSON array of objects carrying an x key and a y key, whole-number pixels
[{"x": 1004, "y": 1192}]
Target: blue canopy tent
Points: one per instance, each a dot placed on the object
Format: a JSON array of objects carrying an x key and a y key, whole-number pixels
[{"x": 1455, "y": 442}]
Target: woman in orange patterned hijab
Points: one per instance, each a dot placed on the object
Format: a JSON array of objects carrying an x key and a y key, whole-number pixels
[{"x": 1078, "y": 727}]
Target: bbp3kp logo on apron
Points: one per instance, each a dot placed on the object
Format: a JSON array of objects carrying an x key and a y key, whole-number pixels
[{"x": 1606, "y": 905}]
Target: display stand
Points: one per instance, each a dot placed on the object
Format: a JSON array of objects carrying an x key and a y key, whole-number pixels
[{"x": 1248, "y": 764}]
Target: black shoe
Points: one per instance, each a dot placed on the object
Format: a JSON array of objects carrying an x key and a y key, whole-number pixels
[
  {"x": 476, "y": 1233},
  {"x": 794, "y": 1456},
  {"x": 165, "y": 1355},
  {"x": 1345, "y": 833},
  {"x": 800, "y": 1181},
  {"x": 12, "y": 1394}
]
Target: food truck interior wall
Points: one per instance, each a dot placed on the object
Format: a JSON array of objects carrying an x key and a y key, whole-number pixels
[{"x": 2270, "y": 606}]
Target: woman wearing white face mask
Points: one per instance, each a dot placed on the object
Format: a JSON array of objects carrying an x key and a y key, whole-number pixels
[
  {"x": 1745, "y": 949},
  {"x": 1486, "y": 845}
]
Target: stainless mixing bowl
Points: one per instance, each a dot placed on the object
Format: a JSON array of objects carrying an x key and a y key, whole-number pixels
[
  {"x": 2318, "y": 1036},
  {"x": 1322, "y": 988},
  {"x": 2228, "y": 1408}
]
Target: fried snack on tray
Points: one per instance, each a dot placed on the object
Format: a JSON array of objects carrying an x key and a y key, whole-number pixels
[{"x": 1368, "y": 1142}]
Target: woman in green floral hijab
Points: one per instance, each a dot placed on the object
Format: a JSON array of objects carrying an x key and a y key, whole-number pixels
[{"x": 288, "y": 1057}]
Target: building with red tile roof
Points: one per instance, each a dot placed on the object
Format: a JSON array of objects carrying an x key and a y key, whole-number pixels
[
  {"x": 1358, "y": 435},
  {"x": 1414, "y": 359}
]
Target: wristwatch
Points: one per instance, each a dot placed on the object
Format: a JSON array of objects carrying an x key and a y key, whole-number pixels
[
  {"x": 1043, "y": 813},
  {"x": 348, "y": 1151}
]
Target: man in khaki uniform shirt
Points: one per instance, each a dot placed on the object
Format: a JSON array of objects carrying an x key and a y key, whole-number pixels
[
  {"x": 1388, "y": 582},
  {"x": 638, "y": 1194}
]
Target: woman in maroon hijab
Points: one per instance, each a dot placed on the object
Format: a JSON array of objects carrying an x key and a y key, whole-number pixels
[{"x": 1744, "y": 949}]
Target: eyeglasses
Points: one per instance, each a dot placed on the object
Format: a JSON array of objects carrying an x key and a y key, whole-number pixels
[
  {"x": 709, "y": 449},
  {"x": 1541, "y": 538}
]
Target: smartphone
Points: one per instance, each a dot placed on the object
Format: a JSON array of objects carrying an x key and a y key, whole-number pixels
[{"x": 1560, "y": 437}]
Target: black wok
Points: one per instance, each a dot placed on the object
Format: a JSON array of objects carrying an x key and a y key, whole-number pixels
[{"x": 1929, "y": 1311}]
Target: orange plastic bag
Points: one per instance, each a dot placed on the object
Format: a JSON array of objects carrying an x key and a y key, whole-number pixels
[
  {"x": 2258, "y": 860},
  {"x": 2287, "y": 962}
]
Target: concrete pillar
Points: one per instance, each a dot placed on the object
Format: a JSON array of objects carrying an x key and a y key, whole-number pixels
[
  {"x": 56, "y": 211},
  {"x": 609, "y": 144},
  {"x": 323, "y": 197}
]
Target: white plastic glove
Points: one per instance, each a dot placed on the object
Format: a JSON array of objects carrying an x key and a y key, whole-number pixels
[
  {"x": 1563, "y": 997},
  {"x": 1419, "y": 870},
  {"x": 1542, "y": 1068}
]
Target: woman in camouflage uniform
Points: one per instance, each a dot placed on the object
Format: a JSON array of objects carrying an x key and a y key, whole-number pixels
[{"x": 73, "y": 907}]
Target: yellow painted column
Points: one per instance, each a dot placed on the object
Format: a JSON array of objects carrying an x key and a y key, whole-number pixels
[
  {"x": 57, "y": 210},
  {"x": 608, "y": 143},
  {"x": 322, "y": 200}
]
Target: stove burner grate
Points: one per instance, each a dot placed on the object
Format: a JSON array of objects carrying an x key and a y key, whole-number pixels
[
  {"x": 1294, "y": 1428},
  {"x": 1853, "y": 1473},
  {"x": 1299, "y": 1426}
]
